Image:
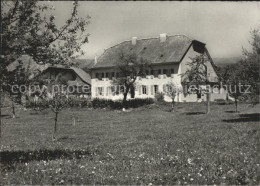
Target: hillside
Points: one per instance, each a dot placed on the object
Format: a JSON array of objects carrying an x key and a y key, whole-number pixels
[{"x": 220, "y": 62}]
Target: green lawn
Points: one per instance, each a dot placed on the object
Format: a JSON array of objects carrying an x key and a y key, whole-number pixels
[{"x": 147, "y": 145}]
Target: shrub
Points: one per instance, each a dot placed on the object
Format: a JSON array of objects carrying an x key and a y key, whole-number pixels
[
  {"x": 40, "y": 104},
  {"x": 79, "y": 102},
  {"x": 95, "y": 103},
  {"x": 255, "y": 100},
  {"x": 117, "y": 104},
  {"x": 159, "y": 97},
  {"x": 71, "y": 101}
]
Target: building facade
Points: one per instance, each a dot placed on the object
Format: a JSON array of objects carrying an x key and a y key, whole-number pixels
[
  {"x": 74, "y": 78},
  {"x": 168, "y": 56}
]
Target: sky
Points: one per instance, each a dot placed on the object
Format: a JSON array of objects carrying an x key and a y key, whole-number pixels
[{"x": 223, "y": 26}]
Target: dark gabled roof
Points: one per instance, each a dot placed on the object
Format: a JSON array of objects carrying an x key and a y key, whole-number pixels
[
  {"x": 84, "y": 76},
  {"x": 172, "y": 50},
  {"x": 27, "y": 63},
  {"x": 85, "y": 64}
]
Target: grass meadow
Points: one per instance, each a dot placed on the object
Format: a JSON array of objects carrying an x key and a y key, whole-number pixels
[{"x": 146, "y": 145}]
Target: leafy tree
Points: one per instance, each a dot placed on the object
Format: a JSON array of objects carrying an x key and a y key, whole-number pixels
[
  {"x": 232, "y": 79},
  {"x": 57, "y": 103},
  {"x": 250, "y": 66},
  {"x": 172, "y": 90},
  {"x": 18, "y": 80},
  {"x": 129, "y": 67},
  {"x": 197, "y": 74},
  {"x": 55, "y": 98},
  {"x": 29, "y": 27},
  {"x": 244, "y": 73},
  {"x": 223, "y": 74}
]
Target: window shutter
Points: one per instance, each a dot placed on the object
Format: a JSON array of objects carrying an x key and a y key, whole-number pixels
[
  {"x": 164, "y": 88},
  {"x": 140, "y": 90},
  {"x": 107, "y": 91},
  {"x": 96, "y": 91},
  {"x": 152, "y": 91}
]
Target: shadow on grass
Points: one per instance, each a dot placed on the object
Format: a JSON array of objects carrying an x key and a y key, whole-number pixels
[
  {"x": 194, "y": 113},
  {"x": 5, "y": 115},
  {"x": 11, "y": 157},
  {"x": 65, "y": 138},
  {"x": 38, "y": 113},
  {"x": 244, "y": 118},
  {"x": 231, "y": 111}
]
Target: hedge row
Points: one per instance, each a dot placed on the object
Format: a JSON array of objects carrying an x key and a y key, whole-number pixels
[
  {"x": 117, "y": 104},
  {"x": 95, "y": 103}
]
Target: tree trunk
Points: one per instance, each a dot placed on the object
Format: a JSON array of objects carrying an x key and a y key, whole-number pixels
[
  {"x": 227, "y": 97},
  {"x": 173, "y": 104},
  {"x": 198, "y": 93},
  {"x": 1, "y": 104},
  {"x": 208, "y": 99},
  {"x": 236, "y": 104},
  {"x": 55, "y": 126},
  {"x": 13, "y": 109},
  {"x": 125, "y": 97}
]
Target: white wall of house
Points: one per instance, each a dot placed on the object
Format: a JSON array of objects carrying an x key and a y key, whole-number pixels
[
  {"x": 188, "y": 58},
  {"x": 145, "y": 86}
]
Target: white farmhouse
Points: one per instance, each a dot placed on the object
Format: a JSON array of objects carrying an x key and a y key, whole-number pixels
[{"x": 168, "y": 56}]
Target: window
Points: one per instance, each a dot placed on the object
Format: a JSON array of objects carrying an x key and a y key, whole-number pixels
[
  {"x": 152, "y": 72},
  {"x": 101, "y": 91},
  {"x": 113, "y": 74},
  {"x": 113, "y": 90},
  {"x": 53, "y": 75},
  {"x": 107, "y": 74},
  {"x": 172, "y": 71},
  {"x": 144, "y": 89},
  {"x": 159, "y": 72},
  {"x": 155, "y": 89},
  {"x": 167, "y": 72},
  {"x": 103, "y": 75},
  {"x": 117, "y": 89},
  {"x": 156, "y": 73},
  {"x": 147, "y": 72},
  {"x": 117, "y": 74},
  {"x": 99, "y": 76},
  {"x": 164, "y": 71}
]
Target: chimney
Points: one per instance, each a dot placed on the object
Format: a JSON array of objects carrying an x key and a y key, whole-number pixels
[
  {"x": 134, "y": 39},
  {"x": 163, "y": 37}
]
